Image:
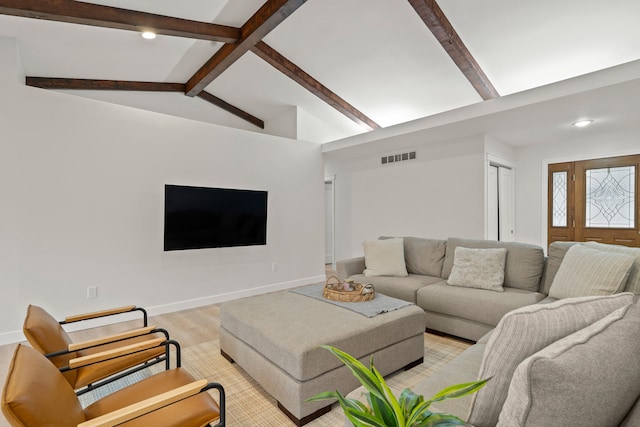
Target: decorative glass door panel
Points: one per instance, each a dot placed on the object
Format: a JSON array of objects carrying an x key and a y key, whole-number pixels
[
  {"x": 560, "y": 203},
  {"x": 559, "y": 208},
  {"x": 610, "y": 197}
]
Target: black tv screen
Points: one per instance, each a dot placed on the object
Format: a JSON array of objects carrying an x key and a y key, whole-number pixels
[{"x": 200, "y": 217}]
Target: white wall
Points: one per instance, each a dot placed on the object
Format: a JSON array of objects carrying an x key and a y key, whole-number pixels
[
  {"x": 81, "y": 204},
  {"x": 531, "y": 182},
  {"x": 438, "y": 195}
]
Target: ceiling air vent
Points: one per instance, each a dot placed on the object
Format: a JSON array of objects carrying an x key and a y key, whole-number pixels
[{"x": 394, "y": 158}]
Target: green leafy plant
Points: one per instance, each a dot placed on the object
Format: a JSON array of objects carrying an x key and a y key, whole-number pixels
[{"x": 384, "y": 409}]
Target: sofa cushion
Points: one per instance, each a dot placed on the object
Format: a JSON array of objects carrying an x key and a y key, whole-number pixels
[
  {"x": 523, "y": 267},
  {"x": 384, "y": 257},
  {"x": 633, "y": 281},
  {"x": 423, "y": 256},
  {"x": 404, "y": 288},
  {"x": 477, "y": 305},
  {"x": 567, "y": 382},
  {"x": 555, "y": 255},
  {"x": 478, "y": 268},
  {"x": 462, "y": 369},
  {"x": 585, "y": 271},
  {"x": 525, "y": 331}
]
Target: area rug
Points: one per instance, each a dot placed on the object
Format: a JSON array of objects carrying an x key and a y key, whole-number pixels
[
  {"x": 380, "y": 304},
  {"x": 249, "y": 405},
  {"x": 88, "y": 398}
]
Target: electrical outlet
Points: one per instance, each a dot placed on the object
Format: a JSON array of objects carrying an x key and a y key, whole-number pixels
[{"x": 92, "y": 292}]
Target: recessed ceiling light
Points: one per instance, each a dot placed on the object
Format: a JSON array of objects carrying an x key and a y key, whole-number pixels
[
  {"x": 582, "y": 123},
  {"x": 149, "y": 35}
]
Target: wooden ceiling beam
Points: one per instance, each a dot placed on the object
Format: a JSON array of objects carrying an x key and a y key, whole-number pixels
[
  {"x": 444, "y": 32},
  {"x": 291, "y": 70},
  {"x": 231, "y": 109},
  {"x": 56, "y": 83},
  {"x": 78, "y": 12},
  {"x": 269, "y": 16},
  {"x": 90, "y": 84}
]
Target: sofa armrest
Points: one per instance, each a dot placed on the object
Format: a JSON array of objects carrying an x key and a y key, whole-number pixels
[{"x": 348, "y": 267}]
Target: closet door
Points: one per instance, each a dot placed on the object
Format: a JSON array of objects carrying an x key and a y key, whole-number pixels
[
  {"x": 505, "y": 204},
  {"x": 492, "y": 204},
  {"x": 500, "y": 204}
]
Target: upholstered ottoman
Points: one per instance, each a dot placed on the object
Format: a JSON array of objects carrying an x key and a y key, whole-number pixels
[{"x": 275, "y": 338}]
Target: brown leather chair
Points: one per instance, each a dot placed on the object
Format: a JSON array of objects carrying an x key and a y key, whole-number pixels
[
  {"x": 47, "y": 336},
  {"x": 36, "y": 394}
]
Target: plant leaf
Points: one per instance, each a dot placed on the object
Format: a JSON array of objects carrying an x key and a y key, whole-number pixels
[
  {"x": 441, "y": 420},
  {"x": 409, "y": 400},
  {"x": 363, "y": 419},
  {"x": 458, "y": 390},
  {"x": 366, "y": 377},
  {"x": 383, "y": 409},
  {"x": 325, "y": 395},
  {"x": 391, "y": 400}
]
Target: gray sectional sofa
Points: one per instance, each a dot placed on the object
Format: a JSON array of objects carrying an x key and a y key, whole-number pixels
[
  {"x": 555, "y": 356},
  {"x": 464, "y": 312}
]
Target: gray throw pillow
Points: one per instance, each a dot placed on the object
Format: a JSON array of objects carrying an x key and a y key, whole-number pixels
[
  {"x": 525, "y": 331},
  {"x": 585, "y": 271},
  {"x": 589, "y": 379},
  {"x": 478, "y": 268}
]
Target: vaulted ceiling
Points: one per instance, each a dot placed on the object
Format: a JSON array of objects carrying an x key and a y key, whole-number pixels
[{"x": 333, "y": 67}]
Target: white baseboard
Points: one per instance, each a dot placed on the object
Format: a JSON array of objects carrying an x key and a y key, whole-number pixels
[
  {"x": 17, "y": 336},
  {"x": 216, "y": 299}
]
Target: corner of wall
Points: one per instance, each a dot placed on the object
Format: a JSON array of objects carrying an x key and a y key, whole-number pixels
[
  {"x": 285, "y": 125},
  {"x": 11, "y": 68}
]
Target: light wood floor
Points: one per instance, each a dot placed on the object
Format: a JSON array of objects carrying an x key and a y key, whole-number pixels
[{"x": 186, "y": 327}]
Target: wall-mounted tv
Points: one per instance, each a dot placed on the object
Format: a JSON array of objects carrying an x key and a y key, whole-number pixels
[{"x": 201, "y": 217}]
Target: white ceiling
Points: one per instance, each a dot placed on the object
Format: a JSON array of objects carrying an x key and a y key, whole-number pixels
[{"x": 378, "y": 55}]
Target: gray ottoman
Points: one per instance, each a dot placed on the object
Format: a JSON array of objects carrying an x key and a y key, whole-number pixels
[{"x": 275, "y": 338}]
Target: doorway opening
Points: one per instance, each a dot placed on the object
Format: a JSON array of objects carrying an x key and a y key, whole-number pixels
[
  {"x": 329, "y": 222},
  {"x": 500, "y": 203}
]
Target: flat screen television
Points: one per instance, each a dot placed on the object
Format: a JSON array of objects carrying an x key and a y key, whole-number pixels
[{"x": 201, "y": 217}]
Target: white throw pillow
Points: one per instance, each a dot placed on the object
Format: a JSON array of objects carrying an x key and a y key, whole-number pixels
[
  {"x": 585, "y": 271},
  {"x": 384, "y": 257},
  {"x": 478, "y": 268},
  {"x": 633, "y": 281},
  {"x": 525, "y": 331}
]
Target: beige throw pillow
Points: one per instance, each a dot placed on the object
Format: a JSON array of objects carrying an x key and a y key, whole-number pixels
[
  {"x": 525, "y": 331},
  {"x": 567, "y": 383},
  {"x": 384, "y": 257},
  {"x": 585, "y": 271},
  {"x": 478, "y": 268},
  {"x": 633, "y": 281}
]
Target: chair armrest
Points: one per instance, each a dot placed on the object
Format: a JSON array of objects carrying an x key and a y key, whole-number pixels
[
  {"x": 348, "y": 267},
  {"x": 113, "y": 338},
  {"x": 145, "y": 406},
  {"x": 79, "y": 362},
  {"x": 104, "y": 313}
]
